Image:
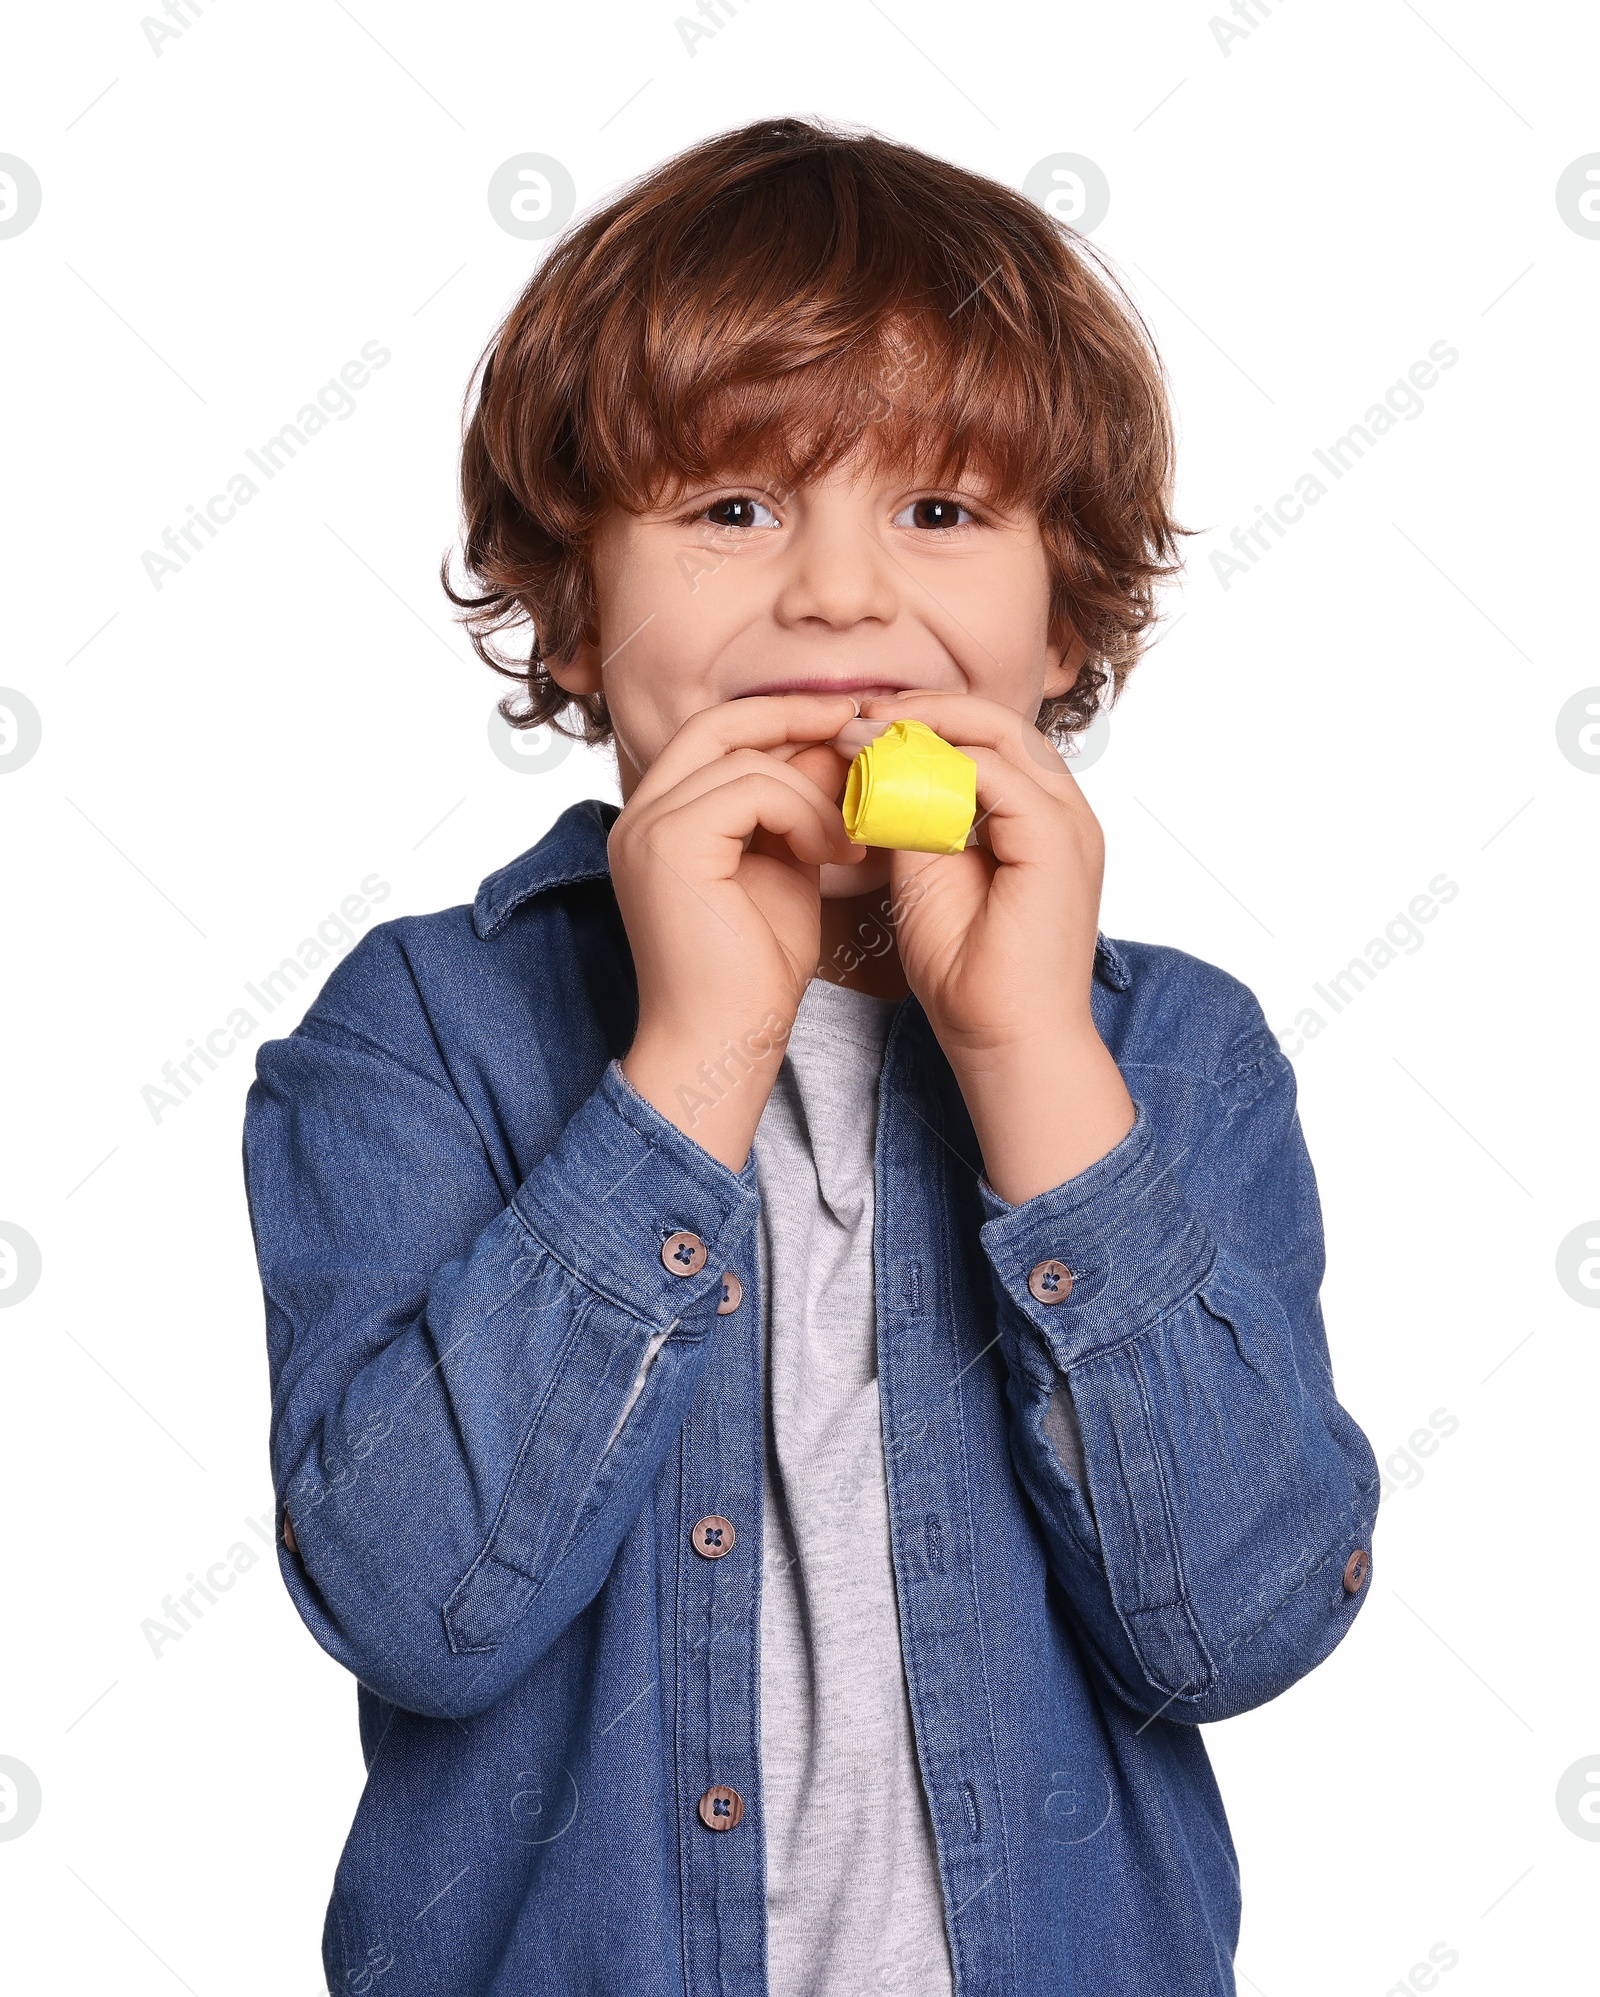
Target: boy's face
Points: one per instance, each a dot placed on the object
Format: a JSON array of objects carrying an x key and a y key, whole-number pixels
[{"x": 861, "y": 580}]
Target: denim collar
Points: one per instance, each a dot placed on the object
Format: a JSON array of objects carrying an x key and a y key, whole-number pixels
[{"x": 574, "y": 849}]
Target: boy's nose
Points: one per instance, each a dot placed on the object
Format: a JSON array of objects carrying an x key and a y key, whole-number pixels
[{"x": 837, "y": 575}]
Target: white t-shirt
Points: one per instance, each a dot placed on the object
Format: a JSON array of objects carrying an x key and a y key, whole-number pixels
[{"x": 854, "y": 1904}]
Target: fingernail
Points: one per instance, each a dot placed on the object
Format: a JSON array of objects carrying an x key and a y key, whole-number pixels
[
  {"x": 854, "y": 736},
  {"x": 855, "y": 703}
]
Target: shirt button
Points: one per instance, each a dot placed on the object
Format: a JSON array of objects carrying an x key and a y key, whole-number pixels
[
  {"x": 288, "y": 1535},
  {"x": 684, "y": 1253},
  {"x": 1356, "y": 1570},
  {"x": 732, "y": 1293},
  {"x": 713, "y": 1536},
  {"x": 1050, "y": 1282},
  {"x": 721, "y": 1808}
]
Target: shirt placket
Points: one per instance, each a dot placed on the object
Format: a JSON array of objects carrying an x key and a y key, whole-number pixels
[
  {"x": 715, "y": 1570},
  {"x": 929, "y": 1360}
]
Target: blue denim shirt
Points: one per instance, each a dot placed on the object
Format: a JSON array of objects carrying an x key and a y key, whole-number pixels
[{"x": 460, "y": 1207}]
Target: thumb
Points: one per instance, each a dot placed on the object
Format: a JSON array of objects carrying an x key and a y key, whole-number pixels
[{"x": 825, "y": 767}]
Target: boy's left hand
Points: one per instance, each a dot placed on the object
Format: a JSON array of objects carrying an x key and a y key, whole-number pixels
[{"x": 998, "y": 944}]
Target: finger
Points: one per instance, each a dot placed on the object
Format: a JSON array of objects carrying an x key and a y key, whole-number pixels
[
  {"x": 822, "y": 763},
  {"x": 826, "y": 766},
  {"x": 708, "y": 834},
  {"x": 703, "y": 825},
  {"x": 854, "y": 736},
  {"x": 809, "y": 763},
  {"x": 1021, "y": 822},
  {"x": 967, "y": 718},
  {"x": 758, "y": 721},
  {"x": 1017, "y": 823}
]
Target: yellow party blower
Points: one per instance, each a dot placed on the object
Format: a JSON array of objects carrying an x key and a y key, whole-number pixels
[{"x": 910, "y": 789}]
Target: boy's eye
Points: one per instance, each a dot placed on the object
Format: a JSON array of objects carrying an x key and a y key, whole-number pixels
[
  {"x": 740, "y": 511},
  {"x": 933, "y": 513}
]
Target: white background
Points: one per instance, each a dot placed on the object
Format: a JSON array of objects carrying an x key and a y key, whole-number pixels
[{"x": 1301, "y": 215}]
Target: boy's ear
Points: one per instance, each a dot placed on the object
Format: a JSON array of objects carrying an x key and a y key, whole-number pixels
[
  {"x": 578, "y": 671},
  {"x": 1063, "y": 663}
]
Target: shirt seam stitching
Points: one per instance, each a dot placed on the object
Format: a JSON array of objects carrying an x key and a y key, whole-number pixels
[{"x": 950, "y": 1291}]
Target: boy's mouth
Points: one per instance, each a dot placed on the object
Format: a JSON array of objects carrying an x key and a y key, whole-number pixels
[{"x": 825, "y": 685}]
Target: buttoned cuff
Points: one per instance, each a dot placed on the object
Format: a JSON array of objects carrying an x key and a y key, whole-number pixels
[
  {"x": 1122, "y": 1228},
  {"x": 620, "y": 1182}
]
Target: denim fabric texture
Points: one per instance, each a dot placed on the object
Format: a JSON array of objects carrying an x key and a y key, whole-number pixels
[{"x": 459, "y": 1205}]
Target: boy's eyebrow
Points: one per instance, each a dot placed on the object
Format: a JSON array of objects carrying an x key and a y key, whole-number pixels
[{"x": 979, "y": 484}]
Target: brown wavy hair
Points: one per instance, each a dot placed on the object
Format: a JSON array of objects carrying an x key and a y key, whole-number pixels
[{"x": 781, "y": 295}]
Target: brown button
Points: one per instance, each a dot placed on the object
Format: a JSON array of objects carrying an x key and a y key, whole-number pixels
[
  {"x": 1050, "y": 1282},
  {"x": 732, "y": 1293},
  {"x": 721, "y": 1808},
  {"x": 712, "y": 1536},
  {"x": 684, "y": 1253},
  {"x": 288, "y": 1535},
  {"x": 1356, "y": 1570}
]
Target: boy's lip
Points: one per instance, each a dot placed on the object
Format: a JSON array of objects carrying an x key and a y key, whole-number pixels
[{"x": 826, "y": 685}]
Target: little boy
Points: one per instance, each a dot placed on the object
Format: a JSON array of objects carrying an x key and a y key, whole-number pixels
[{"x": 798, "y": 1381}]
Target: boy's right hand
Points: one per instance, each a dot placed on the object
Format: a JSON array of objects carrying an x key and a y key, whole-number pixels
[{"x": 715, "y": 863}]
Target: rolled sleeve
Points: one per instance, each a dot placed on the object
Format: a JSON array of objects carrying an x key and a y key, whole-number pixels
[
  {"x": 473, "y": 1385},
  {"x": 621, "y": 1164},
  {"x": 1124, "y": 1230},
  {"x": 1222, "y": 1490}
]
